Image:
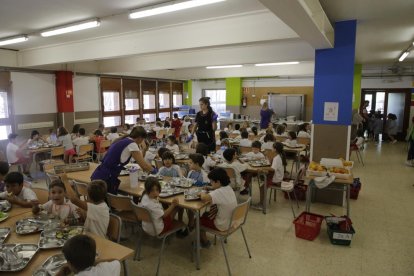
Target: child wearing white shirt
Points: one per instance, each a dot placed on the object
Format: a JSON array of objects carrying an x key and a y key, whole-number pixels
[
  {"x": 95, "y": 212},
  {"x": 14, "y": 153},
  {"x": 162, "y": 219},
  {"x": 223, "y": 200},
  {"x": 255, "y": 154},
  {"x": 172, "y": 144},
  {"x": 66, "y": 140},
  {"x": 278, "y": 165},
  {"x": 80, "y": 254},
  {"x": 269, "y": 140},
  {"x": 58, "y": 205},
  {"x": 231, "y": 162},
  {"x": 81, "y": 140},
  {"x": 113, "y": 135},
  {"x": 291, "y": 140},
  {"x": 236, "y": 129},
  {"x": 16, "y": 192},
  {"x": 208, "y": 161},
  {"x": 245, "y": 142}
]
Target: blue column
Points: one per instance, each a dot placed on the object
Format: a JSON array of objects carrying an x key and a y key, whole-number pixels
[{"x": 334, "y": 75}]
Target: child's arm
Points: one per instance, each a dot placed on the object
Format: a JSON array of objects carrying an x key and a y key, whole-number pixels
[
  {"x": 174, "y": 204},
  {"x": 205, "y": 197},
  {"x": 21, "y": 202},
  {"x": 35, "y": 209}
]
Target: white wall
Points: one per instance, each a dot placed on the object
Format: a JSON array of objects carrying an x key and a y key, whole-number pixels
[
  {"x": 278, "y": 82},
  {"x": 86, "y": 93},
  {"x": 33, "y": 93},
  {"x": 404, "y": 82},
  {"x": 8, "y": 58}
]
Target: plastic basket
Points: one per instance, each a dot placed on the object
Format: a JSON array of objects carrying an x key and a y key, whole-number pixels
[
  {"x": 308, "y": 225},
  {"x": 338, "y": 236}
]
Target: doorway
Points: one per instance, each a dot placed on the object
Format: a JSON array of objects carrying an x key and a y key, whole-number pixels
[{"x": 396, "y": 101}]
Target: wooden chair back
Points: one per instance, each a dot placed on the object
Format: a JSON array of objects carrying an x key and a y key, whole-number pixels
[
  {"x": 240, "y": 212},
  {"x": 280, "y": 138},
  {"x": 303, "y": 141},
  {"x": 42, "y": 195},
  {"x": 171, "y": 131},
  {"x": 141, "y": 213},
  {"x": 57, "y": 152},
  {"x": 161, "y": 133},
  {"x": 81, "y": 189},
  {"x": 114, "y": 228},
  {"x": 270, "y": 154},
  {"x": 253, "y": 137},
  {"x": 245, "y": 149},
  {"x": 233, "y": 135},
  {"x": 85, "y": 149},
  {"x": 105, "y": 144},
  {"x": 119, "y": 202}
]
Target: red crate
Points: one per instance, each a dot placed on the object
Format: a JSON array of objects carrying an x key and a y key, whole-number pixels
[{"x": 308, "y": 225}]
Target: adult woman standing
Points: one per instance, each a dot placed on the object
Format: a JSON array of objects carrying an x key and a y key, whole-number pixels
[
  {"x": 265, "y": 115},
  {"x": 118, "y": 155},
  {"x": 205, "y": 124}
]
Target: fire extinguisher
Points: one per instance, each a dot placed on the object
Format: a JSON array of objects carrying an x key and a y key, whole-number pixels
[{"x": 244, "y": 101}]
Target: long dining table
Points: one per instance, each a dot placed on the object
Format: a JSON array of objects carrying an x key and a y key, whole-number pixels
[
  {"x": 125, "y": 187},
  {"x": 106, "y": 249}
]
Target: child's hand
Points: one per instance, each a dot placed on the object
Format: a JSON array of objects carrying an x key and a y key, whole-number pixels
[
  {"x": 175, "y": 202},
  {"x": 64, "y": 270},
  {"x": 81, "y": 213}
]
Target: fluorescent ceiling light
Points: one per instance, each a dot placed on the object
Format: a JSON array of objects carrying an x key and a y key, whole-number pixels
[
  {"x": 170, "y": 7},
  {"x": 71, "y": 28},
  {"x": 12, "y": 40},
  {"x": 277, "y": 63},
  {"x": 403, "y": 56},
  {"x": 224, "y": 66}
]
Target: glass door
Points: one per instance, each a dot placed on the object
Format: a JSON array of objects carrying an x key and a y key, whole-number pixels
[{"x": 396, "y": 105}]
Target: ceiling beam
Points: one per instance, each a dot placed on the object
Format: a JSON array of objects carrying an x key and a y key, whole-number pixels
[
  {"x": 246, "y": 28},
  {"x": 306, "y": 18},
  {"x": 280, "y": 51}
]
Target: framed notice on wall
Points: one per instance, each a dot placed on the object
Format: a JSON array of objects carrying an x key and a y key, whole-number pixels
[{"x": 331, "y": 111}]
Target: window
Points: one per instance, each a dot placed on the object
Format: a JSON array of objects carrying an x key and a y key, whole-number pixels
[
  {"x": 131, "y": 119},
  {"x": 112, "y": 121},
  {"x": 164, "y": 100},
  {"x": 5, "y": 123},
  {"x": 164, "y": 115},
  {"x": 149, "y": 118},
  {"x": 177, "y": 100},
  {"x": 111, "y": 101},
  {"x": 217, "y": 99},
  {"x": 177, "y": 92}
]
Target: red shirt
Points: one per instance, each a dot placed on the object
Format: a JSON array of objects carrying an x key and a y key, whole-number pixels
[{"x": 176, "y": 124}]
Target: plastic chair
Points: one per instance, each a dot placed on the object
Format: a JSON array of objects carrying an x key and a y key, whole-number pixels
[
  {"x": 233, "y": 179},
  {"x": 270, "y": 154},
  {"x": 288, "y": 188},
  {"x": 114, "y": 234},
  {"x": 358, "y": 153},
  {"x": 238, "y": 219},
  {"x": 143, "y": 214},
  {"x": 85, "y": 153},
  {"x": 42, "y": 195}
]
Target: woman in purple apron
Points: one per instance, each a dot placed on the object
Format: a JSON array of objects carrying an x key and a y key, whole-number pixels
[
  {"x": 118, "y": 156},
  {"x": 265, "y": 116}
]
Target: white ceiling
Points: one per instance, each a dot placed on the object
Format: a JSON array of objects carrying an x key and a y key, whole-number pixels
[{"x": 230, "y": 32}]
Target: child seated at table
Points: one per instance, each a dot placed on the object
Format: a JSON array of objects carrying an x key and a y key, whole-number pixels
[
  {"x": 127, "y": 129},
  {"x": 162, "y": 219},
  {"x": 223, "y": 202},
  {"x": 209, "y": 162},
  {"x": 16, "y": 192},
  {"x": 255, "y": 154},
  {"x": 245, "y": 142},
  {"x": 222, "y": 135},
  {"x": 231, "y": 161},
  {"x": 172, "y": 144},
  {"x": 80, "y": 254},
  {"x": 35, "y": 139},
  {"x": 303, "y": 131},
  {"x": 278, "y": 166},
  {"x": 95, "y": 212},
  {"x": 113, "y": 135},
  {"x": 268, "y": 131},
  {"x": 225, "y": 144},
  {"x": 281, "y": 131},
  {"x": 196, "y": 168},
  {"x": 169, "y": 168},
  {"x": 81, "y": 139},
  {"x": 269, "y": 139},
  {"x": 58, "y": 205},
  {"x": 65, "y": 139},
  {"x": 236, "y": 129},
  {"x": 52, "y": 138},
  {"x": 291, "y": 140},
  {"x": 4, "y": 169}
]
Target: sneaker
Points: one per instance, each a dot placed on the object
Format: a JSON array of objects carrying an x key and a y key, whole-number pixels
[{"x": 244, "y": 192}]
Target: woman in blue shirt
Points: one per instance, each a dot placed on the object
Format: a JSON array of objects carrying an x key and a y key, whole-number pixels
[{"x": 265, "y": 116}]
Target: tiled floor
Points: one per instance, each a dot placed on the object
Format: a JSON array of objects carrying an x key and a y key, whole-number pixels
[{"x": 383, "y": 243}]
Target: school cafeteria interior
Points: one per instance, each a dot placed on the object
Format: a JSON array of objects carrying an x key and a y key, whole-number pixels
[{"x": 322, "y": 90}]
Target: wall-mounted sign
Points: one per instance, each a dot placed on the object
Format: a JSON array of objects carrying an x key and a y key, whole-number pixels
[{"x": 331, "y": 111}]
